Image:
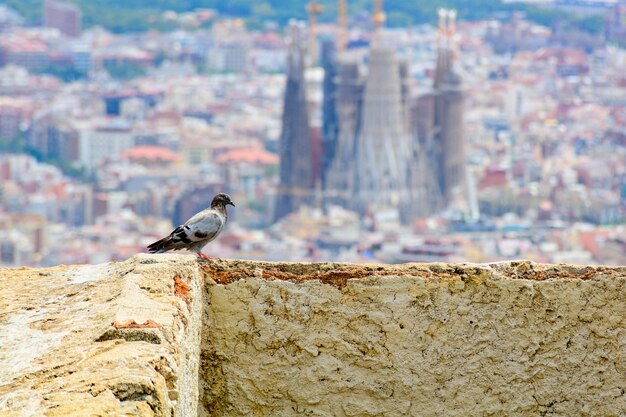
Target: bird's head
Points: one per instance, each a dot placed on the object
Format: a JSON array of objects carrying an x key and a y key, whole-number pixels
[{"x": 222, "y": 200}]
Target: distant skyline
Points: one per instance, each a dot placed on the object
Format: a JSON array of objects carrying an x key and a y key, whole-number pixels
[
  {"x": 139, "y": 15},
  {"x": 109, "y": 140}
]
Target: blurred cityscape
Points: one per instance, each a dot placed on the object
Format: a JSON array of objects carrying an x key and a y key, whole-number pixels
[{"x": 339, "y": 140}]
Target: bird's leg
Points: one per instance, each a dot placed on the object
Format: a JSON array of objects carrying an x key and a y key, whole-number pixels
[{"x": 203, "y": 256}]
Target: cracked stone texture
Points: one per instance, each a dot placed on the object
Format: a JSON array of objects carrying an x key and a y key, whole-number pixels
[
  {"x": 61, "y": 355},
  {"x": 511, "y": 339}
]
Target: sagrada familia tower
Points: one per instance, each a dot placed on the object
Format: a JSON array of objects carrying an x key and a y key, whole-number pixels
[
  {"x": 382, "y": 149},
  {"x": 296, "y": 165}
]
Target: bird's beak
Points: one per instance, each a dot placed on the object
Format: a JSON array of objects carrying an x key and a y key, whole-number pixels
[{"x": 231, "y": 203}]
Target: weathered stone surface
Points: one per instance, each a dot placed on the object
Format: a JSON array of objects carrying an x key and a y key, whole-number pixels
[
  {"x": 419, "y": 340},
  {"x": 68, "y": 345},
  {"x": 159, "y": 334}
]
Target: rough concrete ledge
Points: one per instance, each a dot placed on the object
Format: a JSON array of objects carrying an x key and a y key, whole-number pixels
[
  {"x": 168, "y": 335},
  {"x": 506, "y": 339},
  {"x": 101, "y": 340}
]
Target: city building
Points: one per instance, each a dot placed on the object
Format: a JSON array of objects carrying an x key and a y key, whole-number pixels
[
  {"x": 382, "y": 148},
  {"x": 377, "y": 159},
  {"x": 296, "y": 164},
  {"x": 330, "y": 123},
  {"x": 348, "y": 102},
  {"x": 53, "y": 137},
  {"x": 438, "y": 176},
  {"x": 229, "y": 51},
  {"x": 448, "y": 112},
  {"x": 63, "y": 16},
  {"x": 615, "y": 23},
  {"x": 106, "y": 142},
  {"x": 15, "y": 116},
  {"x": 30, "y": 53}
]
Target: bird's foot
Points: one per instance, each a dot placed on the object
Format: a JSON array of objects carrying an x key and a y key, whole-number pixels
[{"x": 203, "y": 256}]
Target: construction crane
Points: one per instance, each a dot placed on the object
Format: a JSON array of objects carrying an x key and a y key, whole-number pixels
[
  {"x": 313, "y": 9},
  {"x": 379, "y": 20},
  {"x": 342, "y": 23}
]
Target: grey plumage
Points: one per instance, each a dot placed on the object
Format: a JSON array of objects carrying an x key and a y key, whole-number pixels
[{"x": 199, "y": 230}]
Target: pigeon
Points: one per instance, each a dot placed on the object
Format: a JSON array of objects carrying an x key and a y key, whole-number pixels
[{"x": 199, "y": 230}]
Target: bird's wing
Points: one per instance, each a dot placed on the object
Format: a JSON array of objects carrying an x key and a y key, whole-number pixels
[
  {"x": 205, "y": 225},
  {"x": 195, "y": 233}
]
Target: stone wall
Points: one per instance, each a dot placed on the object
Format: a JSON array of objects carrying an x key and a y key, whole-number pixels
[
  {"x": 167, "y": 335},
  {"x": 420, "y": 340},
  {"x": 120, "y": 339}
]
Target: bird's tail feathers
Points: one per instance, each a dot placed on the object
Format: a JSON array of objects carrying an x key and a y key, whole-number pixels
[{"x": 159, "y": 246}]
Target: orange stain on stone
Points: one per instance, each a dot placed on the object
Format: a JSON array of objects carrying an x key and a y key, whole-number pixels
[
  {"x": 181, "y": 288},
  {"x": 132, "y": 324}
]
